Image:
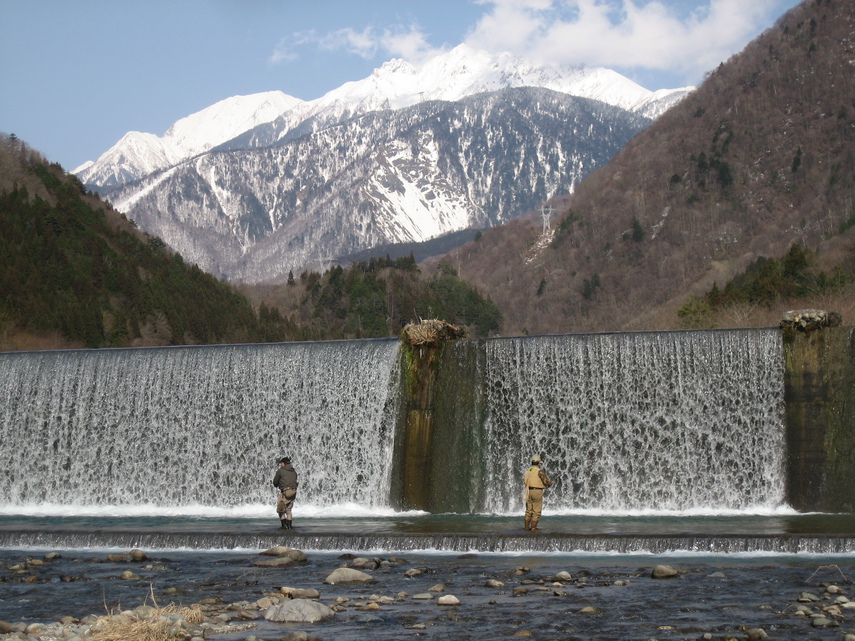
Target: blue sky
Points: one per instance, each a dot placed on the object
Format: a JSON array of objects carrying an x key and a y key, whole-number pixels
[{"x": 76, "y": 75}]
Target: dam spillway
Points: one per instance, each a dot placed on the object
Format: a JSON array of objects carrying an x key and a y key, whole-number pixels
[{"x": 652, "y": 421}]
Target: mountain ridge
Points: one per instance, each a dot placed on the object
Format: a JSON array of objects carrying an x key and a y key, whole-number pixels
[
  {"x": 459, "y": 73},
  {"x": 760, "y": 157}
]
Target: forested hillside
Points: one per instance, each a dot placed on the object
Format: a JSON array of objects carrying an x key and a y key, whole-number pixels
[
  {"x": 758, "y": 159},
  {"x": 75, "y": 273}
]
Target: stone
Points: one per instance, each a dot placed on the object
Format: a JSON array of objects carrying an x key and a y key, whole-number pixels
[
  {"x": 298, "y": 611},
  {"x": 361, "y": 563},
  {"x": 137, "y": 556},
  {"x": 439, "y": 587},
  {"x": 448, "y": 599},
  {"x": 809, "y": 597},
  {"x": 563, "y": 576},
  {"x": 127, "y": 575},
  {"x": 285, "y": 552},
  {"x": 6, "y": 628},
  {"x": 297, "y": 635},
  {"x": 276, "y": 562},
  {"x": 589, "y": 609},
  {"x": 756, "y": 634},
  {"x": 300, "y": 593},
  {"x": 493, "y": 583},
  {"x": 808, "y": 320},
  {"x": 413, "y": 572},
  {"x": 664, "y": 572},
  {"x": 822, "y": 622},
  {"x": 423, "y": 596},
  {"x": 348, "y": 575}
]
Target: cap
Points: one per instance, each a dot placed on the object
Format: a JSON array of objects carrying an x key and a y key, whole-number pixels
[
  {"x": 285, "y": 460},
  {"x": 535, "y": 459}
]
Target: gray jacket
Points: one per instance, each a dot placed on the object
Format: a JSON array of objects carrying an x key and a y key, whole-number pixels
[{"x": 285, "y": 476}]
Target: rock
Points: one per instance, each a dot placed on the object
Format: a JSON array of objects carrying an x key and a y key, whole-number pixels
[
  {"x": 520, "y": 591},
  {"x": 664, "y": 572},
  {"x": 298, "y": 611},
  {"x": 361, "y": 563},
  {"x": 448, "y": 599},
  {"x": 563, "y": 576},
  {"x": 6, "y": 628},
  {"x": 849, "y": 637},
  {"x": 348, "y": 575},
  {"x": 118, "y": 558},
  {"x": 822, "y": 622},
  {"x": 423, "y": 596},
  {"x": 493, "y": 583},
  {"x": 439, "y": 587},
  {"x": 834, "y": 589},
  {"x": 300, "y": 593},
  {"x": 137, "y": 556},
  {"x": 808, "y": 320},
  {"x": 276, "y": 562},
  {"x": 285, "y": 552},
  {"x": 51, "y": 556},
  {"x": 755, "y": 634},
  {"x": 589, "y": 609},
  {"x": 413, "y": 572},
  {"x": 809, "y": 597},
  {"x": 265, "y": 602},
  {"x": 298, "y": 635},
  {"x": 127, "y": 575}
]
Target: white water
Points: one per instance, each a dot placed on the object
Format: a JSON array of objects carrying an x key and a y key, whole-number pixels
[
  {"x": 674, "y": 423},
  {"x": 687, "y": 422},
  {"x": 182, "y": 430}
]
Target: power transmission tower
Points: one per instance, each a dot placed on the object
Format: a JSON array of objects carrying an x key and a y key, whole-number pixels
[{"x": 546, "y": 212}]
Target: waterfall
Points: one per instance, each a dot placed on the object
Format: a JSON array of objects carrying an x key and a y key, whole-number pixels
[
  {"x": 632, "y": 422},
  {"x": 636, "y": 421},
  {"x": 198, "y": 426}
]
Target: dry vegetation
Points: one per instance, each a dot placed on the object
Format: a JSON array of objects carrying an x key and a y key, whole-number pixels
[{"x": 761, "y": 156}]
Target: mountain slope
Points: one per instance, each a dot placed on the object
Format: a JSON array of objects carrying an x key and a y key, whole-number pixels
[
  {"x": 263, "y": 119},
  {"x": 759, "y": 157},
  {"x": 391, "y": 176}
]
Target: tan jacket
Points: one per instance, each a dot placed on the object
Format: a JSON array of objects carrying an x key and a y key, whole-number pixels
[{"x": 536, "y": 478}]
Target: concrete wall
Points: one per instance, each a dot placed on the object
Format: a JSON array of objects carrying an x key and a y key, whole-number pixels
[{"x": 819, "y": 392}]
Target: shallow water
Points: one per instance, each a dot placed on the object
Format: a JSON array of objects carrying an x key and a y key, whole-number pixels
[{"x": 714, "y": 593}]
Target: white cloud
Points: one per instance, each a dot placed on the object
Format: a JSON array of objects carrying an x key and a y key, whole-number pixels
[
  {"x": 409, "y": 43},
  {"x": 630, "y": 34}
]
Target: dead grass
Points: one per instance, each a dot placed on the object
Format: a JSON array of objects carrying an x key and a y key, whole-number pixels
[
  {"x": 431, "y": 333},
  {"x": 145, "y": 624}
]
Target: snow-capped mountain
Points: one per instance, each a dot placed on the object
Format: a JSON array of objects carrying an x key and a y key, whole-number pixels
[
  {"x": 264, "y": 119},
  {"x": 387, "y": 177},
  {"x": 256, "y": 186}
]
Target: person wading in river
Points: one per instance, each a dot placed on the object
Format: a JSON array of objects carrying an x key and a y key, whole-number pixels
[
  {"x": 535, "y": 482},
  {"x": 285, "y": 481}
]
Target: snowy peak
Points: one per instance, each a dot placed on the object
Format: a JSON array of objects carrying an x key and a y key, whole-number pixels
[
  {"x": 226, "y": 119},
  {"x": 266, "y": 118}
]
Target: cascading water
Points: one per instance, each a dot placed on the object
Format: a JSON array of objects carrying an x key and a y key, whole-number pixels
[
  {"x": 637, "y": 422},
  {"x": 173, "y": 428}
]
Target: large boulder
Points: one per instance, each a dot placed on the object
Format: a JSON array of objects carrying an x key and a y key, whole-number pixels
[
  {"x": 348, "y": 575},
  {"x": 298, "y": 611}
]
